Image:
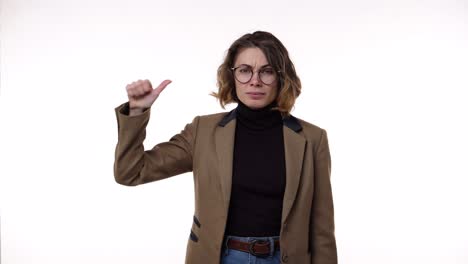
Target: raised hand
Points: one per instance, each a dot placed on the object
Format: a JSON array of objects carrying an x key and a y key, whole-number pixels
[{"x": 141, "y": 95}]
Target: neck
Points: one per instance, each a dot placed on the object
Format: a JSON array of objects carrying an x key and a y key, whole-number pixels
[{"x": 258, "y": 119}]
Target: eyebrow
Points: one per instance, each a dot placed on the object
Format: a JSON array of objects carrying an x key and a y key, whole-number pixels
[{"x": 263, "y": 66}]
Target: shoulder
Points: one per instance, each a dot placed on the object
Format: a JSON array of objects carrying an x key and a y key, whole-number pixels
[
  {"x": 308, "y": 126},
  {"x": 214, "y": 118},
  {"x": 209, "y": 120},
  {"x": 310, "y": 131}
]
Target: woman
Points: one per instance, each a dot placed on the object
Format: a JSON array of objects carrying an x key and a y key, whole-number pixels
[{"x": 262, "y": 176}]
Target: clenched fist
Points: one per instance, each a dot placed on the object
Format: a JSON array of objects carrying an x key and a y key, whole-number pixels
[{"x": 141, "y": 95}]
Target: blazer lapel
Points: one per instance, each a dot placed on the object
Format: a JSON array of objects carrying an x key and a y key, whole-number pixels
[
  {"x": 224, "y": 140},
  {"x": 294, "y": 148}
]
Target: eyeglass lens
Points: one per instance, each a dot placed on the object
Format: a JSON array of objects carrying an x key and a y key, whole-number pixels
[{"x": 244, "y": 73}]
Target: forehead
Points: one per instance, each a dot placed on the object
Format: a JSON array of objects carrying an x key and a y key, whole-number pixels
[{"x": 251, "y": 56}]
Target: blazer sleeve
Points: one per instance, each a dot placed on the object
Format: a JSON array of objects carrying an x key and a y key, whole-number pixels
[
  {"x": 133, "y": 165},
  {"x": 323, "y": 244}
]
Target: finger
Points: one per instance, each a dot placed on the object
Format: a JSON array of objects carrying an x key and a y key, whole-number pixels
[
  {"x": 139, "y": 89},
  {"x": 130, "y": 90},
  {"x": 162, "y": 86},
  {"x": 147, "y": 86},
  {"x": 143, "y": 88}
]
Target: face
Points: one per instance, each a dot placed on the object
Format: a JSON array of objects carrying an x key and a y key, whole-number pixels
[{"x": 255, "y": 94}]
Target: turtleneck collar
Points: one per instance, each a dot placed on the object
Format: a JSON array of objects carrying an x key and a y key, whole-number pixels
[{"x": 258, "y": 119}]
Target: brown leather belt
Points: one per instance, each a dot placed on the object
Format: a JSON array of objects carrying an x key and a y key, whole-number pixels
[{"x": 259, "y": 248}]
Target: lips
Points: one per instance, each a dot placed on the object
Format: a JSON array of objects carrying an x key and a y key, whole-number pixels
[{"x": 256, "y": 95}]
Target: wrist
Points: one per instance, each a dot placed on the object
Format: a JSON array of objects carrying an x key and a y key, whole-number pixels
[{"x": 135, "y": 111}]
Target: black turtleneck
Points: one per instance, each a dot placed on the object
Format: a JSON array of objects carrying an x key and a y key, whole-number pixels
[{"x": 259, "y": 173}]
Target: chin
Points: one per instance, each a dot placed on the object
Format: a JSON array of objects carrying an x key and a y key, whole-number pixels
[{"x": 256, "y": 104}]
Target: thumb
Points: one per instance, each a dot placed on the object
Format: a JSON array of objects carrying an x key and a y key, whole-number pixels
[{"x": 156, "y": 91}]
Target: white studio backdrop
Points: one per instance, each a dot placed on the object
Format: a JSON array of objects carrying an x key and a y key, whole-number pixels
[{"x": 386, "y": 79}]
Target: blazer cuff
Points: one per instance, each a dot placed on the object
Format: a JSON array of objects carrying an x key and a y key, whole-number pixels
[
  {"x": 127, "y": 122},
  {"x": 124, "y": 109}
]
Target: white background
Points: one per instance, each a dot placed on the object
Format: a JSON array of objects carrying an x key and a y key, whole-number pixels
[{"x": 386, "y": 79}]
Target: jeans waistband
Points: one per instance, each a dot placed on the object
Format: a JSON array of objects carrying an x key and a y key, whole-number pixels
[
  {"x": 271, "y": 239},
  {"x": 250, "y": 239}
]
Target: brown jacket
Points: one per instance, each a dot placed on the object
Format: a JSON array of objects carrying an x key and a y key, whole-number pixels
[{"x": 205, "y": 147}]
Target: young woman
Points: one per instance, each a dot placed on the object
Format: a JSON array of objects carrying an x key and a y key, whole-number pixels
[{"x": 262, "y": 176}]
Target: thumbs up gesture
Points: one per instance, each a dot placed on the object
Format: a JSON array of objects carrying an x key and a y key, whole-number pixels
[{"x": 141, "y": 95}]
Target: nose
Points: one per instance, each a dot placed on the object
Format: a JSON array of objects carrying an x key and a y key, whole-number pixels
[{"x": 255, "y": 80}]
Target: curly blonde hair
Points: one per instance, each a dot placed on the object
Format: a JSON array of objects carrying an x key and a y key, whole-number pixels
[{"x": 289, "y": 84}]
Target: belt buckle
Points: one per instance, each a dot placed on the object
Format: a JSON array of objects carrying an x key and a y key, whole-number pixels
[{"x": 251, "y": 250}]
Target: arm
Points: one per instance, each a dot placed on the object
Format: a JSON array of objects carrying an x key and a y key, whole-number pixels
[
  {"x": 323, "y": 244},
  {"x": 133, "y": 165}
]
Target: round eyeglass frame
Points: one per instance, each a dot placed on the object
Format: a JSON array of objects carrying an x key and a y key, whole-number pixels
[{"x": 233, "y": 69}]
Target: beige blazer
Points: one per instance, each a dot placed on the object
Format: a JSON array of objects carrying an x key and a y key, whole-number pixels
[{"x": 205, "y": 147}]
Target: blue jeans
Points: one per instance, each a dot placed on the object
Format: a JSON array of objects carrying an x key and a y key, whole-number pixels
[{"x": 232, "y": 256}]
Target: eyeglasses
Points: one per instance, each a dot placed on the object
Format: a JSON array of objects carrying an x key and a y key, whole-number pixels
[{"x": 244, "y": 74}]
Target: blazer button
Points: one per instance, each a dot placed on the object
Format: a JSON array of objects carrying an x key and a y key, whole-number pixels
[{"x": 284, "y": 258}]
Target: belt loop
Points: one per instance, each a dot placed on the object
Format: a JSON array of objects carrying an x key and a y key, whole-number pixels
[
  {"x": 226, "y": 252},
  {"x": 272, "y": 246}
]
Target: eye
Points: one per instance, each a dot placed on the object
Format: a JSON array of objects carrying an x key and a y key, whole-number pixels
[
  {"x": 268, "y": 71},
  {"x": 244, "y": 70}
]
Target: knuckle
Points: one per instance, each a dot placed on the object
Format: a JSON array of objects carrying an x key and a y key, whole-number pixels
[{"x": 147, "y": 86}]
